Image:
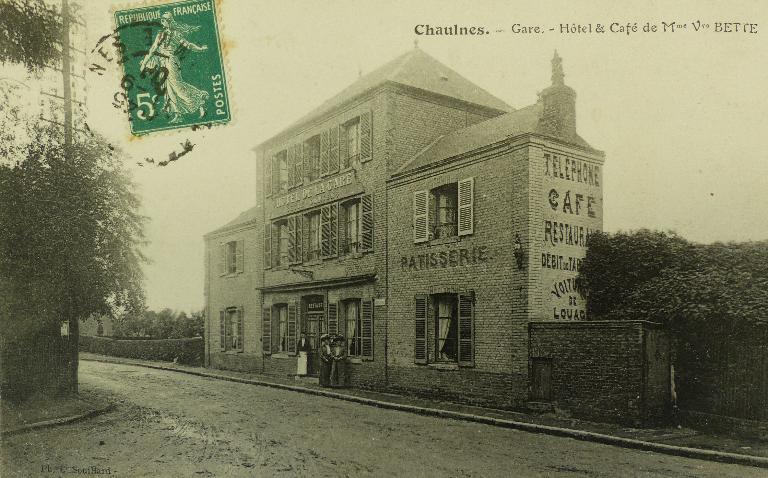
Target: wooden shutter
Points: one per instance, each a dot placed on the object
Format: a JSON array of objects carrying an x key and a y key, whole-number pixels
[
  {"x": 222, "y": 259},
  {"x": 240, "y": 330},
  {"x": 324, "y": 158},
  {"x": 222, "y": 331},
  {"x": 228, "y": 330},
  {"x": 266, "y": 330},
  {"x": 466, "y": 206},
  {"x": 329, "y": 229},
  {"x": 366, "y": 137},
  {"x": 291, "y": 239},
  {"x": 267, "y": 245},
  {"x": 343, "y": 147},
  {"x": 267, "y": 174},
  {"x": 291, "y": 158},
  {"x": 366, "y": 223},
  {"x": 297, "y": 253},
  {"x": 275, "y": 176},
  {"x": 298, "y": 165},
  {"x": 420, "y": 344},
  {"x": 466, "y": 319},
  {"x": 239, "y": 255},
  {"x": 292, "y": 322},
  {"x": 305, "y": 238},
  {"x": 333, "y": 149},
  {"x": 367, "y": 329},
  {"x": 306, "y": 159},
  {"x": 343, "y": 239},
  {"x": 333, "y": 318},
  {"x": 420, "y": 216}
]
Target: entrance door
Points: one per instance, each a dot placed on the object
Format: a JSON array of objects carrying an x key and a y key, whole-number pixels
[
  {"x": 314, "y": 326},
  {"x": 541, "y": 379}
]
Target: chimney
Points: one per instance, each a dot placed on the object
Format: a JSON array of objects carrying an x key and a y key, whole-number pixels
[{"x": 558, "y": 116}]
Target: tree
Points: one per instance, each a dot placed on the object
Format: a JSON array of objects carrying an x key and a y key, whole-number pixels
[
  {"x": 26, "y": 31},
  {"x": 70, "y": 236}
]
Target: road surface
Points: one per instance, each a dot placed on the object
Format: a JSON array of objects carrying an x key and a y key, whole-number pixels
[{"x": 173, "y": 424}]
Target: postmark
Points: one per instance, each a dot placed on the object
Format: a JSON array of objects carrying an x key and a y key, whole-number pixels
[{"x": 173, "y": 68}]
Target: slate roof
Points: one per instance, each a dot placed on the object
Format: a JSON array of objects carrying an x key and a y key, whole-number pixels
[
  {"x": 416, "y": 69},
  {"x": 242, "y": 218},
  {"x": 493, "y": 130}
]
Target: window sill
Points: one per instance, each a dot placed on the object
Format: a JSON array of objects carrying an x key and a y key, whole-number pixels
[
  {"x": 444, "y": 240},
  {"x": 444, "y": 366},
  {"x": 354, "y": 360},
  {"x": 230, "y": 275},
  {"x": 233, "y": 352},
  {"x": 282, "y": 355}
]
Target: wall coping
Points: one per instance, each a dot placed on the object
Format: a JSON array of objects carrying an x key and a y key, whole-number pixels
[{"x": 592, "y": 323}]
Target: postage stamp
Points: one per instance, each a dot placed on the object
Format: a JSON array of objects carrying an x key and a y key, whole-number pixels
[{"x": 173, "y": 69}]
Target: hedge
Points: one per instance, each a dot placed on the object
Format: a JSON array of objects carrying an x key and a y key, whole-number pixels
[{"x": 185, "y": 351}]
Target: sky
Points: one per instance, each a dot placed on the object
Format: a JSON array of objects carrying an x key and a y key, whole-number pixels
[{"x": 681, "y": 116}]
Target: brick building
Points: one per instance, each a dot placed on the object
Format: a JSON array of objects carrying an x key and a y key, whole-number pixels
[{"x": 421, "y": 217}]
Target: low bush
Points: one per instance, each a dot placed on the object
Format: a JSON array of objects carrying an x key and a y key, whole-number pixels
[{"x": 185, "y": 351}]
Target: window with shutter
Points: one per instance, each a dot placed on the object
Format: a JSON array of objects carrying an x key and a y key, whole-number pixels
[
  {"x": 366, "y": 137},
  {"x": 239, "y": 255},
  {"x": 240, "y": 330},
  {"x": 267, "y": 245},
  {"x": 466, "y": 206},
  {"x": 367, "y": 329},
  {"x": 344, "y": 236},
  {"x": 266, "y": 330},
  {"x": 222, "y": 331},
  {"x": 229, "y": 325},
  {"x": 333, "y": 318},
  {"x": 466, "y": 319},
  {"x": 324, "y": 156},
  {"x": 333, "y": 150},
  {"x": 366, "y": 223},
  {"x": 420, "y": 343},
  {"x": 292, "y": 323},
  {"x": 420, "y": 216}
]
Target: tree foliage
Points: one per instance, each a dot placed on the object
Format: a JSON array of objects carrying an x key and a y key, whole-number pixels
[
  {"x": 70, "y": 236},
  {"x": 165, "y": 324},
  {"x": 28, "y": 33},
  {"x": 719, "y": 290}
]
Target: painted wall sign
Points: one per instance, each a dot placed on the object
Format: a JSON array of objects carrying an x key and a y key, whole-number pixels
[
  {"x": 443, "y": 259},
  {"x": 316, "y": 189},
  {"x": 572, "y": 202}
]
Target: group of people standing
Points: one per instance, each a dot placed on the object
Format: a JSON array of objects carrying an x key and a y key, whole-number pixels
[{"x": 333, "y": 355}]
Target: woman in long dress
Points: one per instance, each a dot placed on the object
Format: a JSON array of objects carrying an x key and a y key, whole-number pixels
[
  {"x": 181, "y": 98},
  {"x": 303, "y": 347}
]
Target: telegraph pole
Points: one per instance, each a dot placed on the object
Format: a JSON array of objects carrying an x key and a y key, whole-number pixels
[{"x": 66, "y": 62}]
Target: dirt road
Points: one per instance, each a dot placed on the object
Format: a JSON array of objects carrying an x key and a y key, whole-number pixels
[{"x": 172, "y": 424}]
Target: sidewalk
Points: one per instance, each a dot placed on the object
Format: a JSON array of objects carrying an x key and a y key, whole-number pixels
[
  {"x": 675, "y": 441},
  {"x": 40, "y": 413}
]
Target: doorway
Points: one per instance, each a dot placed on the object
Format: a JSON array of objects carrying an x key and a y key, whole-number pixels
[{"x": 313, "y": 324}]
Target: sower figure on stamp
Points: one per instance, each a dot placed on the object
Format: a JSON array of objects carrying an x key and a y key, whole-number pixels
[{"x": 181, "y": 98}]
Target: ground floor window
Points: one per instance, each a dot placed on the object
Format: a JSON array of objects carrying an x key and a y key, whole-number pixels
[
  {"x": 281, "y": 320},
  {"x": 231, "y": 329},
  {"x": 444, "y": 328},
  {"x": 353, "y": 319}
]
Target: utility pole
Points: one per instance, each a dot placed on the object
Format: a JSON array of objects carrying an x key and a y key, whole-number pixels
[{"x": 66, "y": 61}]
